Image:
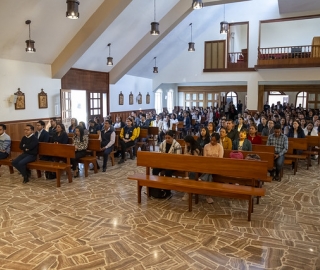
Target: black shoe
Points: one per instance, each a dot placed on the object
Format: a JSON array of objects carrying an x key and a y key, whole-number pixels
[
  {"x": 28, "y": 173},
  {"x": 25, "y": 179},
  {"x": 277, "y": 178},
  {"x": 104, "y": 169},
  {"x": 121, "y": 161},
  {"x": 133, "y": 157}
]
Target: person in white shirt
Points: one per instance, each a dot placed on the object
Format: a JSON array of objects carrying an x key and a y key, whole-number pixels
[
  {"x": 310, "y": 130},
  {"x": 173, "y": 120}
]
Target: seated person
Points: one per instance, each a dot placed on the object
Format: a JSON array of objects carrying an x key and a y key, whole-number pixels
[
  {"x": 74, "y": 124},
  {"x": 29, "y": 145},
  {"x": 108, "y": 138},
  {"x": 41, "y": 133},
  {"x": 80, "y": 141},
  {"x": 170, "y": 146},
  {"x": 118, "y": 123},
  {"x": 310, "y": 130},
  {"x": 296, "y": 131},
  {"x": 5, "y": 142},
  {"x": 253, "y": 137},
  {"x": 268, "y": 130},
  {"x": 128, "y": 135},
  {"x": 212, "y": 149},
  {"x": 204, "y": 138},
  {"x": 280, "y": 141},
  {"x": 60, "y": 135},
  {"x": 224, "y": 140},
  {"x": 83, "y": 125},
  {"x": 242, "y": 144}
]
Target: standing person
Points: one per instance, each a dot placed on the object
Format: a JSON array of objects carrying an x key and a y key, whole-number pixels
[
  {"x": 29, "y": 145},
  {"x": 41, "y": 134},
  {"x": 280, "y": 141},
  {"x": 239, "y": 107},
  {"x": 127, "y": 138},
  {"x": 212, "y": 149},
  {"x": 74, "y": 124},
  {"x": 5, "y": 142},
  {"x": 80, "y": 141},
  {"x": 108, "y": 138}
]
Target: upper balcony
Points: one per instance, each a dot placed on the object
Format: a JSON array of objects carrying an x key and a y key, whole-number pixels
[{"x": 290, "y": 56}]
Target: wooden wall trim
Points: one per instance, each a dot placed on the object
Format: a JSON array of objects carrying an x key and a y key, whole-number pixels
[
  {"x": 125, "y": 114},
  {"x": 224, "y": 88},
  {"x": 27, "y": 121},
  {"x": 293, "y": 88}
]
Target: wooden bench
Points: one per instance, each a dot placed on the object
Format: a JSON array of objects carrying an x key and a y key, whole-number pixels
[
  {"x": 313, "y": 148},
  {"x": 15, "y": 149},
  {"x": 263, "y": 148},
  {"x": 65, "y": 151},
  {"x": 246, "y": 169},
  {"x": 290, "y": 156},
  {"x": 91, "y": 157}
]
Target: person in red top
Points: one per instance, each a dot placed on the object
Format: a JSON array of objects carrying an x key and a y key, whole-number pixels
[{"x": 252, "y": 136}]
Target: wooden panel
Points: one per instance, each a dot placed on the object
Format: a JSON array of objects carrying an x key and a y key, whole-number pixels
[
  {"x": 125, "y": 114},
  {"x": 207, "y": 55},
  {"x": 221, "y": 55}
]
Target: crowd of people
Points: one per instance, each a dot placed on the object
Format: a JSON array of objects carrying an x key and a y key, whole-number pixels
[{"x": 217, "y": 129}]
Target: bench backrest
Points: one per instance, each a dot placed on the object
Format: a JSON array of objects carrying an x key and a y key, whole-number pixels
[
  {"x": 93, "y": 136},
  {"x": 143, "y": 133},
  {"x": 298, "y": 143},
  {"x": 313, "y": 141},
  {"x": 94, "y": 144},
  {"x": 256, "y": 170},
  {"x": 15, "y": 147},
  {"x": 56, "y": 150},
  {"x": 153, "y": 131},
  {"x": 268, "y": 157},
  {"x": 263, "y": 148}
]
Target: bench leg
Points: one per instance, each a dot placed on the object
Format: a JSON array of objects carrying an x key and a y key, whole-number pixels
[
  {"x": 86, "y": 168},
  {"x": 196, "y": 199},
  {"x": 58, "y": 174},
  {"x": 69, "y": 175},
  {"x": 190, "y": 202},
  {"x": 250, "y": 209},
  {"x": 11, "y": 169},
  {"x": 139, "y": 188},
  {"x": 112, "y": 158},
  {"x": 295, "y": 167}
]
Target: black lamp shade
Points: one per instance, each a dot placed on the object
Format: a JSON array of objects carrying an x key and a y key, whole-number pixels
[
  {"x": 191, "y": 47},
  {"x": 109, "y": 61},
  {"x": 154, "y": 29},
  {"x": 197, "y": 4},
  {"x": 72, "y": 9},
  {"x": 155, "y": 69},
  {"x": 30, "y": 46},
  {"x": 224, "y": 27}
]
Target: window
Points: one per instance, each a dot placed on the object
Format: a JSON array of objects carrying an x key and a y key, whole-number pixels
[
  {"x": 301, "y": 99},
  {"x": 232, "y": 96},
  {"x": 170, "y": 101},
  {"x": 158, "y": 101}
]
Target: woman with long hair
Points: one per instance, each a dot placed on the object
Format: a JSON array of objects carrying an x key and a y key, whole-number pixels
[
  {"x": 225, "y": 141},
  {"x": 204, "y": 138},
  {"x": 74, "y": 123},
  {"x": 242, "y": 144},
  {"x": 83, "y": 125},
  {"x": 241, "y": 125},
  {"x": 253, "y": 137},
  {"x": 211, "y": 129},
  {"x": 80, "y": 142},
  {"x": 128, "y": 135},
  {"x": 296, "y": 131},
  {"x": 60, "y": 136}
]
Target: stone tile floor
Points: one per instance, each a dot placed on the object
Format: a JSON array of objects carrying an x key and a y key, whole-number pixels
[{"x": 96, "y": 223}]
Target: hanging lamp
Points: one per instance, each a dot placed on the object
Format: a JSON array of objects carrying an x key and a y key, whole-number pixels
[
  {"x": 224, "y": 26},
  {"x": 109, "y": 59},
  {"x": 197, "y": 4},
  {"x": 191, "y": 44},
  {"x": 72, "y": 9},
  {"x": 154, "y": 25},
  {"x": 30, "y": 43},
  {"x": 155, "y": 68}
]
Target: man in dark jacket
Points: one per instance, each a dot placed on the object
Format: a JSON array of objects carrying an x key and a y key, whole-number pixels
[
  {"x": 29, "y": 145},
  {"x": 108, "y": 138},
  {"x": 41, "y": 133}
]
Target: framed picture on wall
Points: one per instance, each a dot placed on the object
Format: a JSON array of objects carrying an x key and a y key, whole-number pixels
[
  {"x": 130, "y": 98},
  {"x": 148, "y": 98},
  {"x": 121, "y": 98},
  {"x": 139, "y": 98},
  {"x": 42, "y": 100},
  {"x": 20, "y": 102}
]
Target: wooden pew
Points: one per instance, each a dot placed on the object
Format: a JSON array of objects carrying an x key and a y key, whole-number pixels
[
  {"x": 65, "y": 151},
  {"x": 290, "y": 156},
  {"x": 255, "y": 170},
  {"x": 91, "y": 157},
  {"x": 263, "y": 148},
  {"x": 312, "y": 141}
]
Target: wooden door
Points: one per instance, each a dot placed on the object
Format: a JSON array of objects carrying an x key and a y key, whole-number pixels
[
  {"x": 94, "y": 105},
  {"x": 65, "y": 105}
]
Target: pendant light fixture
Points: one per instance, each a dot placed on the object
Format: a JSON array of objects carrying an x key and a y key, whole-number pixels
[
  {"x": 109, "y": 59},
  {"x": 191, "y": 44},
  {"x": 155, "y": 68},
  {"x": 154, "y": 25},
  {"x": 72, "y": 9},
  {"x": 30, "y": 43},
  {"x": 224, "y": 26},
  {"x": 197, "y": 4}
]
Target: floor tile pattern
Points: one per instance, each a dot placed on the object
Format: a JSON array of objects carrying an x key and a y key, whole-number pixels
[{"x": 96, "y": 223}]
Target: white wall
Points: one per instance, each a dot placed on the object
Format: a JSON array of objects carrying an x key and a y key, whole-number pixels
[
  {"x": 187, "y": 68},
  {"x": 30, "y": 78},
  {"x": 135, "y": 85}
]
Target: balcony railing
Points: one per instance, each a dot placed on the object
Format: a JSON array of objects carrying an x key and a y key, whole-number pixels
[{"x": 237, "y": 60}]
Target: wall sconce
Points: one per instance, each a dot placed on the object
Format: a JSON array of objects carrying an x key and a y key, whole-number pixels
[
  {"x": 109, "y": 59},
  {"x": 154, "y": 25},
  {"x": 197, "y": 4},
  {"x": 30, "y": 43},
  {"x": 191, "y": 44},
  {"x": 72, "y": 9}
]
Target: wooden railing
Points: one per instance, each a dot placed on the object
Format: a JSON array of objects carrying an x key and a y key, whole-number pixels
[
  {"x": 305, "y": 51},
  {"x": 237, "y": 60}
]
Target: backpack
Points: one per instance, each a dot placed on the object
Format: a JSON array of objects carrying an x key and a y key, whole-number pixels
[
  {"x": 253, "y": 157},
  {"x": 159, "y": 193},
  {"x": 236, "y": 155}
]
